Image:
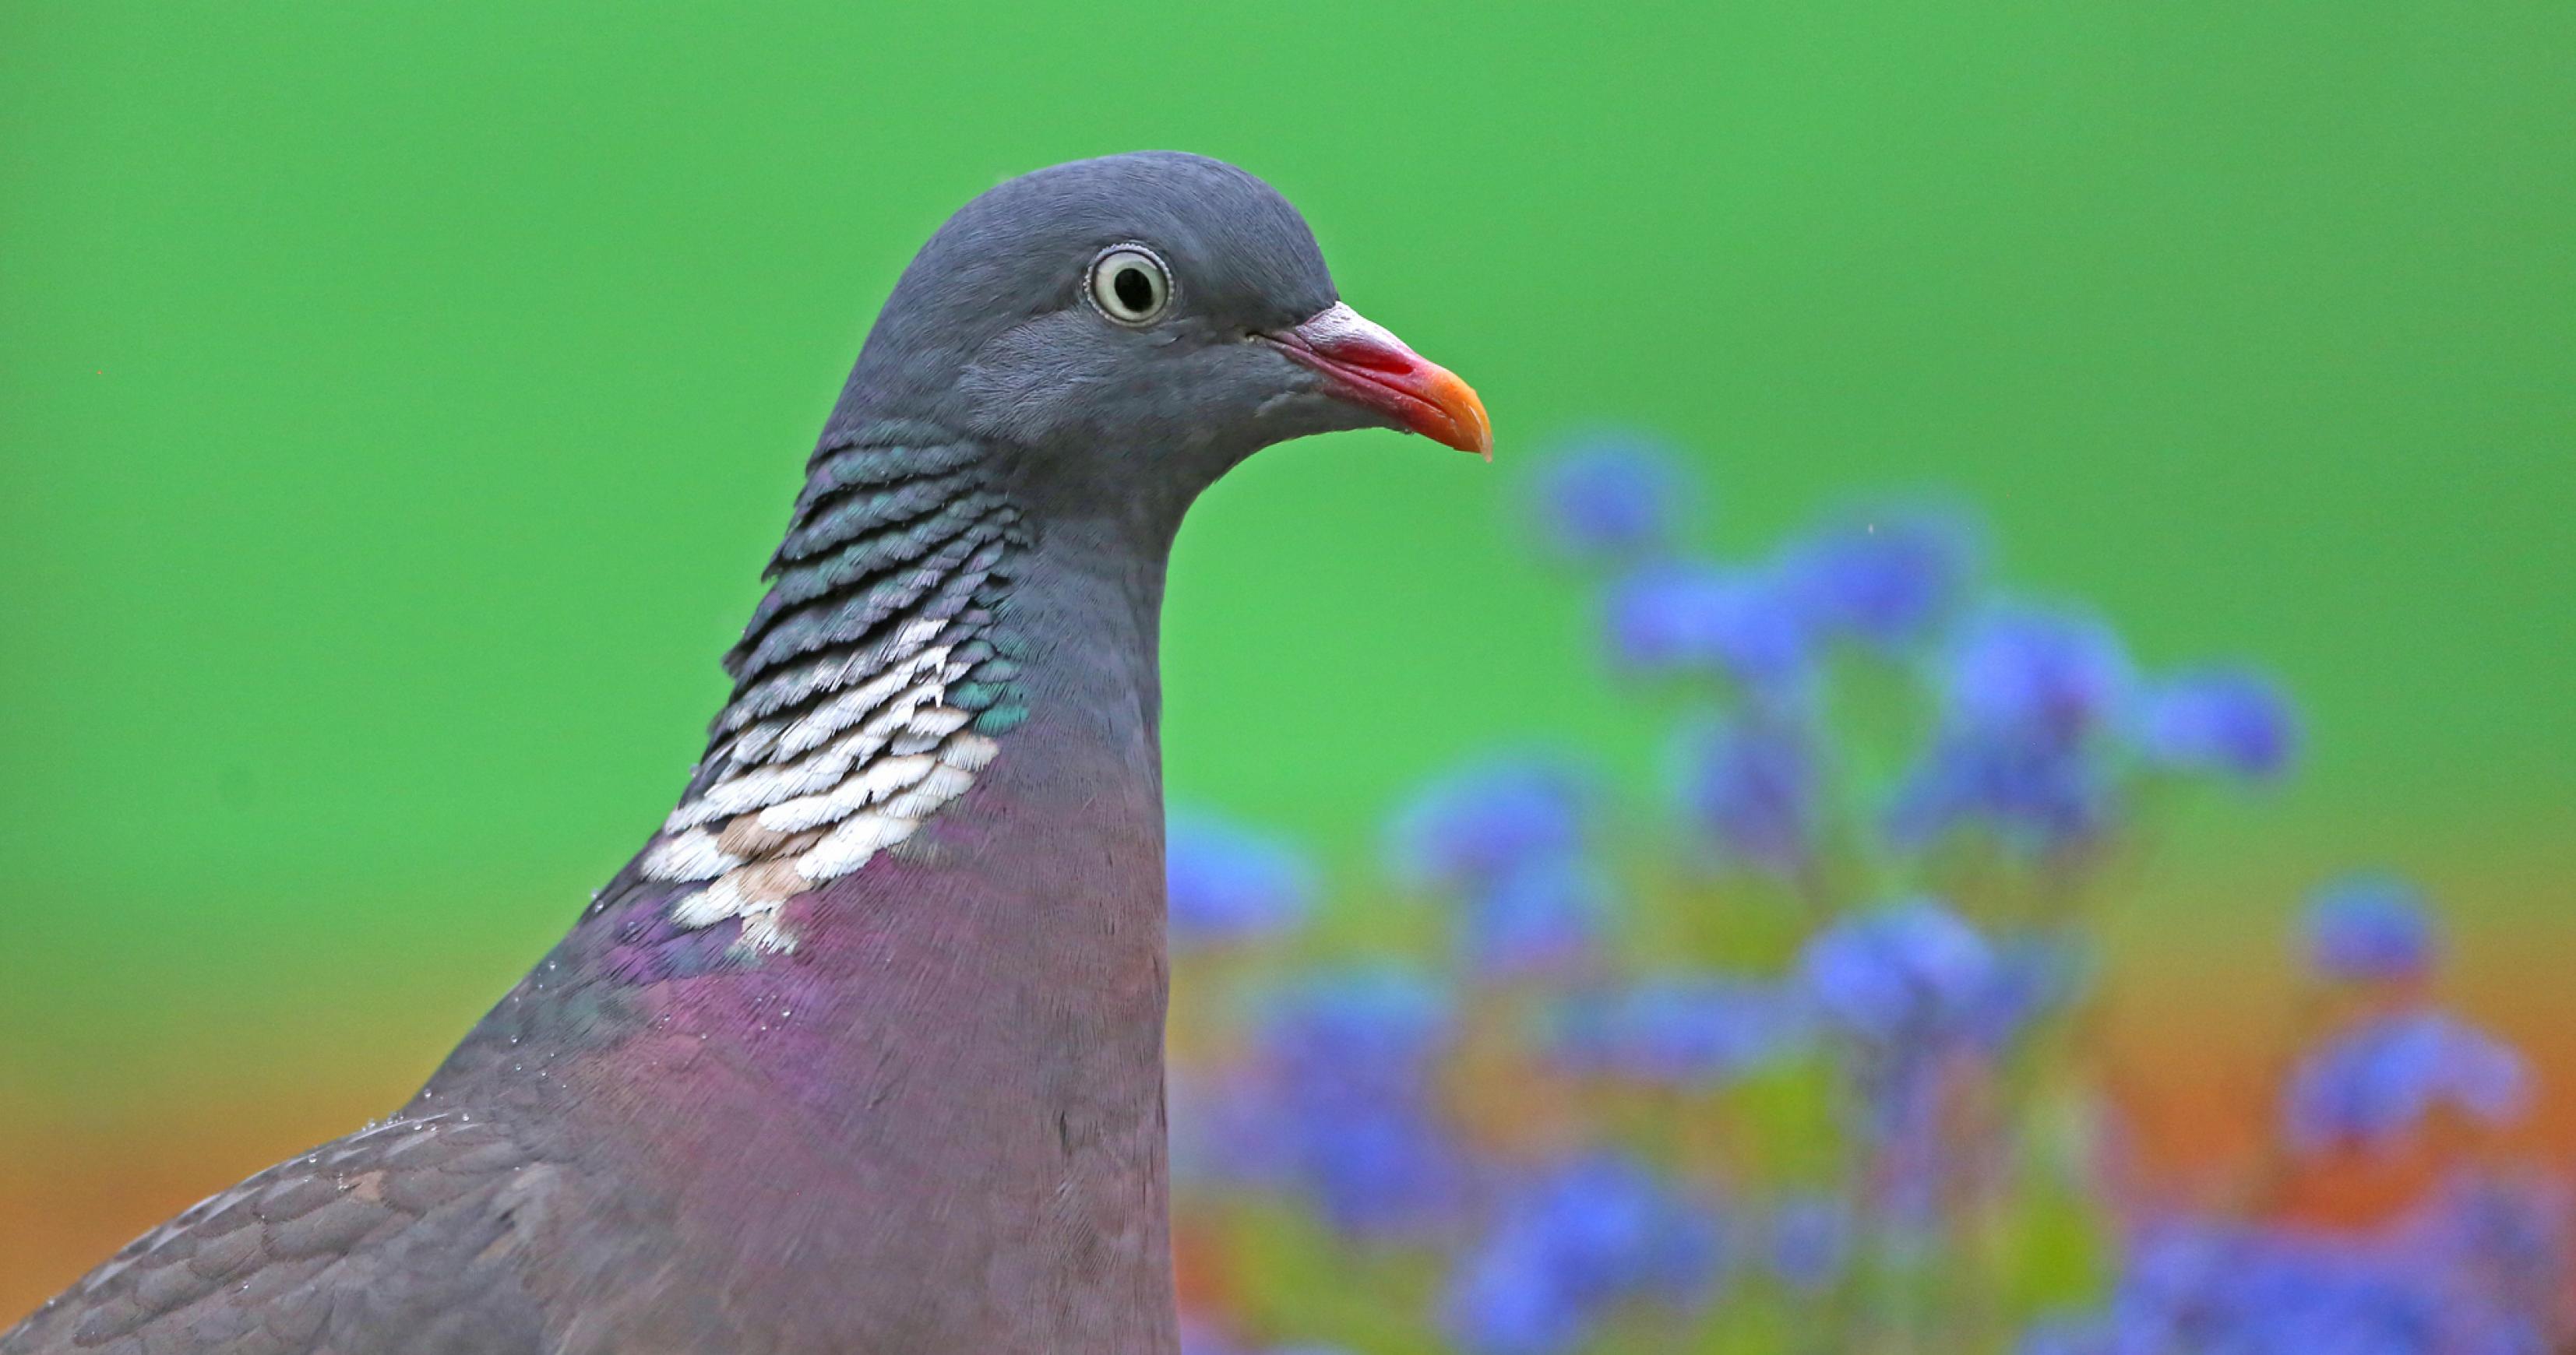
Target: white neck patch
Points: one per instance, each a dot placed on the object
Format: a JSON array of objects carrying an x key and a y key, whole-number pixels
[
  {"x": 860, "y": 685},
  {"x": 808, "y": 799}
]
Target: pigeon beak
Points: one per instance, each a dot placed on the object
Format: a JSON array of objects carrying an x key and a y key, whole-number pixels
[{"x": 1363, "y": 363}]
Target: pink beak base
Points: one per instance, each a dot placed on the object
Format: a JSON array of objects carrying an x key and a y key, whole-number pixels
[{"x": 1370, "y": 367}]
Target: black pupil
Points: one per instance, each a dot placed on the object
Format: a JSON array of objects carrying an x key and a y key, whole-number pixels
[{"x": 1135, "y": 290}]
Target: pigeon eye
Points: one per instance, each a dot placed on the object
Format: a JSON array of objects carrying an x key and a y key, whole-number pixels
[{"x": 1130, "y": 285}]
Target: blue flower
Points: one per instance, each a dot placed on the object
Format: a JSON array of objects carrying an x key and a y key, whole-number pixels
[
  {"x": 2330, "y": 1302},
  {"x": 2505, "y": 1334},
  {"x": 1350, "y": 1058},
  {"x": 1616, "y": 1230},
  {"x": 2038, "y": 678},
  {"x": 1545, "y": 917},
  {"x": 1230, "y": 884},
  {"x": 1585, "y": 1235},
  {"x": 2175, "y": 1279},
  {"x": 2037, "y": 797},
  {"x": 1753, "y": 785},
  {"x": 1483, "y": 822},
  {"x": 1906, "y": 974},
  {"x": 1611, "y": 499},
  {"x": 2027, "y": 691},
  {"x": 1506, "y": 1300},
  {"x": 1698, "y": 617},
  {"x": 1810, "y": 1242},
  {"x": 2198, "y": 1287},
  {"x": 1886, "y": 580},
  {"x": 2368, "y": 928},
  {"x": 2376, "y": 1083},
  {"x": 2225, "y": 721},
  {"x": 2512, "y": 1235},
  {"x": 1694, "y": 1031}
]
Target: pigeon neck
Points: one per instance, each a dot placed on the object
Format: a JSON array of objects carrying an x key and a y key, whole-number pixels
[
  {"x": 870, "y": 686},
  {"x": 967, "y": 1034},
  {"x": 798, "y": 1023},
  {"x": 918, "y": 618}
]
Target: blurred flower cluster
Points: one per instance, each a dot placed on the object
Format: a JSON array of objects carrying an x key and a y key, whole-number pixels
[{"x": 1793, "y": 1058}]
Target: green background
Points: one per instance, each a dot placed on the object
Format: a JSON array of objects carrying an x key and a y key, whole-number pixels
[{"x": 398, "y": 402}]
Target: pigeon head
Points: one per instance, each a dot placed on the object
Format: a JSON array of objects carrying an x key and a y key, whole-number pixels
[
  {"x": 983, "y": 530},
  {"x": 1137, "y": 322}
]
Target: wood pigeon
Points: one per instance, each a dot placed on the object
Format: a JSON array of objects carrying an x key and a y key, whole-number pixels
[{"x": 862, "y": 1053}]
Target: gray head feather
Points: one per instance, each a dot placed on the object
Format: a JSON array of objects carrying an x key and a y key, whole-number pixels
[{"x": 991, "y": 333}]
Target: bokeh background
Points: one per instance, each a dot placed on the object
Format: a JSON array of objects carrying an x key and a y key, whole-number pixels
[{"x": 397, "y": 404}]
